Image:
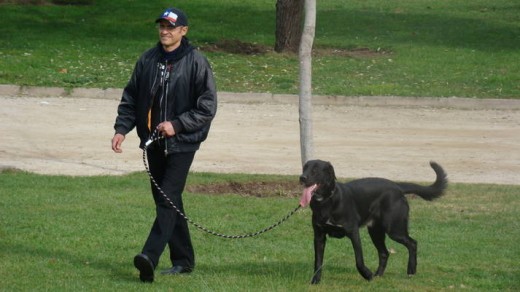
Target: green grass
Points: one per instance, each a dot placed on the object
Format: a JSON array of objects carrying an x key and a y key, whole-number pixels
[
  {"x": 60, "y": 233},
  {"x": 415, "y": 47}
]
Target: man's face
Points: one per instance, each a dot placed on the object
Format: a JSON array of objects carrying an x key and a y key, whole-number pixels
[{"x": 170, "y": 36}]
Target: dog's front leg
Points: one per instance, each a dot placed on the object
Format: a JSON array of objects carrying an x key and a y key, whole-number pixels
[
  {"x": 320, "y": 240},
  {"x": 358, "y": 253}
]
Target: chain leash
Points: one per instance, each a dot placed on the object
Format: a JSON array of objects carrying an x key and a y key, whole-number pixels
[{"x": 154, "y": 138}]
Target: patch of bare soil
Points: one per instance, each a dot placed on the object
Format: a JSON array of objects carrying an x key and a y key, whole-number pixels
[
  {"x": 353, "y": 53},
  {"x": 245, "y": 48},
  {"x": 235, "y": 47},
  {"x": 260, "y": 189}
]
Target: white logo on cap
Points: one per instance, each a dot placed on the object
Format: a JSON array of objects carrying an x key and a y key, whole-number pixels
[{"x": 170, "y": 16}]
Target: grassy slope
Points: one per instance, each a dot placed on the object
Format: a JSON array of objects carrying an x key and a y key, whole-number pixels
[{"x": 415, "y": 48}]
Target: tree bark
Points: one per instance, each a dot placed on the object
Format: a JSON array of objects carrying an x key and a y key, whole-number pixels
[
  {"x": 305, "y": 98},
  {"x": 289, "y": 16}
]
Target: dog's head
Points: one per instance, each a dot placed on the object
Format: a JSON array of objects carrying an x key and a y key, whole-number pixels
[{"x": 318, "y": 179}]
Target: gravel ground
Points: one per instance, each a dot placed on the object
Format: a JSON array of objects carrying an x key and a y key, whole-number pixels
[{"x": 479, "y": 143}]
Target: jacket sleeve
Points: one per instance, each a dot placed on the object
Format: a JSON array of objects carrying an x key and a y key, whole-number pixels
[
  {"x": 126, "y": 111},
  {"x": 205, "y": 95}
]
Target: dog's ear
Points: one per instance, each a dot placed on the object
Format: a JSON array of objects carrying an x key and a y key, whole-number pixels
[{"x": 330, "y": 170}]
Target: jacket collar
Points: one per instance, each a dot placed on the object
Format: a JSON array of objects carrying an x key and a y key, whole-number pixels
[{"x": 176, "y": 54}]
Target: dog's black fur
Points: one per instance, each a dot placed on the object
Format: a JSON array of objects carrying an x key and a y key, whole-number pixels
[{"x": 340, "y": 209}]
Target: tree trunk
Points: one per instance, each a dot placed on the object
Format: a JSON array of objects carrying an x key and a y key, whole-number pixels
[
  {"x": 305, "y": 106},
  {"x": 289, "y": 14}
]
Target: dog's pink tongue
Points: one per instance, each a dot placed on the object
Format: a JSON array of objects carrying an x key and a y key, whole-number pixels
[{"x": 307, "y": 195}]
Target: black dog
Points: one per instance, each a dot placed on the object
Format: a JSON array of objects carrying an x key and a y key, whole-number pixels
[{"x": 340, "y": 209}]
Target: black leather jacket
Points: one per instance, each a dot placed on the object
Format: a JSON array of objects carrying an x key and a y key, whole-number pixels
[{"x": 190, "y": 103}]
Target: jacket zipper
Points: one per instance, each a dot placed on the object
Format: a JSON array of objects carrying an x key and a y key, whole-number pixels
[{"x": 165, "y": 98}]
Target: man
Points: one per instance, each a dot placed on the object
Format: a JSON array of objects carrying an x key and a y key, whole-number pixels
[{"x": 171, "y": 91}]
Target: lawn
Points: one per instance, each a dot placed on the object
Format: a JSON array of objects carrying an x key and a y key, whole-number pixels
[
  {"x": 404, "y": 48},
  {"x": 60, "y": 233}
]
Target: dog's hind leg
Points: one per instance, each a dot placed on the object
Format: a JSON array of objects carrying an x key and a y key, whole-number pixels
[
  {"x": 358, "y": 253},
  {"x": 395, "y": 222},
  {"x": 399, "y": 233},
  {"x": 411, "y": 245},
  {"x": 377, "y": 233}
]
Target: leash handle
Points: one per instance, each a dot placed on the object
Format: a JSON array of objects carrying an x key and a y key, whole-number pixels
[
  {"x": 153, "y": 138},
  {"x": 148, "y": 143}
]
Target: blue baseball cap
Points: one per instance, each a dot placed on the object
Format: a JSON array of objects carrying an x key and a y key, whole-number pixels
[{"x": 174, "y": 16}]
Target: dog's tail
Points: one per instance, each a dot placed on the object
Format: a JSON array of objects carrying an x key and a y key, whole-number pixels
[{"x": 432, "y": 191}]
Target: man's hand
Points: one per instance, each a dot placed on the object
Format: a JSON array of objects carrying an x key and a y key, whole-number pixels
[
  {"x": 166, "y": 129},
  {"x": 116, "y": 143}
]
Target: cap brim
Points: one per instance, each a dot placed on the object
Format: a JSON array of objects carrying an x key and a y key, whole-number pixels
[{"x": 159, "y": 19}]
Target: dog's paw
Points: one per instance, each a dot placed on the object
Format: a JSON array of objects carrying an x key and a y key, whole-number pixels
[
  {"x": 364, "y": 272},
  {"x": 315, "y": 280},
  {"x": 367, "y": 275}
]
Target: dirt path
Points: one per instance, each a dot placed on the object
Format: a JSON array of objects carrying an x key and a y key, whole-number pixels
[{"x": 71, "y": 136}]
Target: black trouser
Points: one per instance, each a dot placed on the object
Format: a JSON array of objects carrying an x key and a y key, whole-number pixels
[{"x": 169, "y": 227}]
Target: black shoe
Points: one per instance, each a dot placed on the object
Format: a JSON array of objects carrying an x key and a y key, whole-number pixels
[
  {"x": 145, "y": 267},
  {"x": 177, "y": 270}
]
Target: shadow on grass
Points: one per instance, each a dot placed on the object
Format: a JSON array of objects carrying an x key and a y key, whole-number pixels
[
  {"x": 97, "y": 261},
  {"x": 428, "y": 29}
]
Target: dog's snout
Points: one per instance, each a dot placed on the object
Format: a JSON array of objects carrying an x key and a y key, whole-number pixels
[{"x": 303, "y": 178}]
